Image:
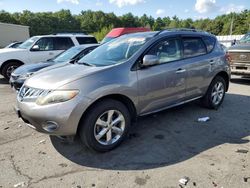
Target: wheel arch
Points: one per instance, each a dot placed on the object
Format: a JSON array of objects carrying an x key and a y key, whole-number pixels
[
  {"x": 119, "y": 97},
  {"x": 225, "y": 76},
  {"x": 8, "y": 61}
]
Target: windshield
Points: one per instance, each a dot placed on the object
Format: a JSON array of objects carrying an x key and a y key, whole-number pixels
[
  {"x": 28, "y": 43},
  {"x": 107, "y": 39},
  {"x": 245, "y": 39},
  {"x": 68, "y": 54},
  {"x": 116, "y": 51}
]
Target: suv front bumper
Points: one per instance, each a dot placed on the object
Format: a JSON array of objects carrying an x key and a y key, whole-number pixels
[{"x": 64, "y": 116}]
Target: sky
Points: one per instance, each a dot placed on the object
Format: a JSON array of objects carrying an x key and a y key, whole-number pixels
[{"x": 194, "y": 9}]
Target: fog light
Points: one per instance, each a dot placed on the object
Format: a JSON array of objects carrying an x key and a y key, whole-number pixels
[{"x": 50, "y": 126}]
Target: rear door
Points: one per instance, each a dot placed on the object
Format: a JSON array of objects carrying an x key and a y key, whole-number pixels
[
  {"x": 163, "y": 84},
  {"x": 198, "y": 65}
]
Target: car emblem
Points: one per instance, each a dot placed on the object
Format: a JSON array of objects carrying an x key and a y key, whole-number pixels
[{"x": 243, "y": 56}]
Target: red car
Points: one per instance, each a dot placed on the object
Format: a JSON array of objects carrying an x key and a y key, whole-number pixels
[{"x": 117, "y": 32}]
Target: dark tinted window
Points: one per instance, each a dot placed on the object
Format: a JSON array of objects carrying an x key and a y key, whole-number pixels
[
  {"x": 167, "y": 50},
  {"x": 210, "y": 42},
  {"x": 45, "y": 44},
  {"x": 86, "y": 40},
  {"x": 193, "y": 47},
  {"x": 62, "y": 43}
]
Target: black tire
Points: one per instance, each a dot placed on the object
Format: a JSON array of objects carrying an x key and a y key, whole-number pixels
[
  {"x": 88, "y": 124},
  {"x": 207, "y": 99},
  {"x": 6, "y": 69}
]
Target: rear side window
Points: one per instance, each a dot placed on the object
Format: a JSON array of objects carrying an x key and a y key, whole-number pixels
[
  {"x": 193, "y": 47},
  {"x": 210, "y": 42},
  {"x": 62, "y": 43},
  {"x": 86, "y": 40}
]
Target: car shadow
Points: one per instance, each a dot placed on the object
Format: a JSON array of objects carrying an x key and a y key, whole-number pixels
[
  {"x": 168, "y": 137},
  {"x": 242, "y": 81},
  {"x": 3, "y": 81}
]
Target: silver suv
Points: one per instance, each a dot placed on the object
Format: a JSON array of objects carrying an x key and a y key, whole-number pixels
[{"x": 134, "y": 75}]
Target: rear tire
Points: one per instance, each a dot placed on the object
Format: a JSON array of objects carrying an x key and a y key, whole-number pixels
[
  {"x": 9, "y": 68},
  {"x": 215, "y": 93},
  {"x": 105, "y": 125}
]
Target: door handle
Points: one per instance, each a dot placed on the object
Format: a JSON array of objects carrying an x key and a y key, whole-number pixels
[
  {"x": 212, "y": 62},
  {"x": 51, "y": 53},
  {"x": 180, "y": 71}
]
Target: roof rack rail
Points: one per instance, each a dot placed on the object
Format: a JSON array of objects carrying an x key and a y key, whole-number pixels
[
  {"x": 70, "y": 33},
  {"x": 179, "y": 29}
]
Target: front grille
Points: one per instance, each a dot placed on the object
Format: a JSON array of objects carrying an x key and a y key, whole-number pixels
[
  {"x": 31, "y": 93},
  {"x": 240, "y": 56}
]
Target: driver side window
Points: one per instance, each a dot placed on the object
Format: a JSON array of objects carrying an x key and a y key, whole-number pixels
[
  {"x": 167, "y": 50},
  {"x": 45, "y": 44}
]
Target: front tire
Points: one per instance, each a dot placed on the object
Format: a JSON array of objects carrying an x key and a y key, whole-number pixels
[
  {"x": 105, "y": 125},
  {"x": 9, "y": 68},
  {"x": 215, "y": 93}
]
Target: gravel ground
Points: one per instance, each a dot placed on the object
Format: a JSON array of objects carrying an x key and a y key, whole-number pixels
[{"x": 160, "y": 150}]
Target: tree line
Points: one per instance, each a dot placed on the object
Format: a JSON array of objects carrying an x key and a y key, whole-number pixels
[{"x": 99, "y": 23}]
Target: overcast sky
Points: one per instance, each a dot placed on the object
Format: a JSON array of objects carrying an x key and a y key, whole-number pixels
[{"x": 157, "y": 8}]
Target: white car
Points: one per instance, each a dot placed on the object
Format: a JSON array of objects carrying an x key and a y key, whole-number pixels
[{"x": 39, "y": 48}]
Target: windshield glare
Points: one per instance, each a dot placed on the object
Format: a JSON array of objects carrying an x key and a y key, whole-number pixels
[
  {"x": 28, "y": 43},
  {"x": 116, "y": 51},
  {"x": 107, "y": 39},
  {"x": 68, "y": 54},
  {"x": 245, "y": 39}
]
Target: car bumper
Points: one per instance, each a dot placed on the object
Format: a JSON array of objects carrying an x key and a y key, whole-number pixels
[
  {"x": 240, "y": 69},
  {"x": 59, "y": 119}
]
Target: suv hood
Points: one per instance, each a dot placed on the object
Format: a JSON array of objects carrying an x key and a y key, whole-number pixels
[
  {"x": 56, "y": 76},
  {"x": 240, "y": 47},
  {"x": 11, "y": 50}
]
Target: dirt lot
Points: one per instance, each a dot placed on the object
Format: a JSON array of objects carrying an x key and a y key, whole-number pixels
[{"x": 161, "y": 149}]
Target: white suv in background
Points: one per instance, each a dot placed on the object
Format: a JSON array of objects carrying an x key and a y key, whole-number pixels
[{"x": 39, "y": 48}]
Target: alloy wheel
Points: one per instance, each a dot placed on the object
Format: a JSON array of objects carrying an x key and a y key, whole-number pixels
[
  {"x": 10, "y": 69},
  {"x": 109, "y": 127},
  {"x": 218, "y": 93}
]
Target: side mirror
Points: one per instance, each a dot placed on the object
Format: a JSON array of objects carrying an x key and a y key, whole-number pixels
[
  {"x": 73, "y": 61},
  {"x": 35, "y": 48},
  {"x": 150, "y": 60}
]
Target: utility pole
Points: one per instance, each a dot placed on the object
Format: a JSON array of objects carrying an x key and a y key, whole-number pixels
[{"x": 231, "y": 26}]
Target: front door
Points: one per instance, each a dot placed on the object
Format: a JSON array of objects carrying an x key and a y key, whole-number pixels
[
  {"x": 164, "y": 84},
  {"x": 43, "y": 50}
]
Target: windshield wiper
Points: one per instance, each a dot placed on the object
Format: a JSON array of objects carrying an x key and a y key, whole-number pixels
[{"x": 87, "y": 64}]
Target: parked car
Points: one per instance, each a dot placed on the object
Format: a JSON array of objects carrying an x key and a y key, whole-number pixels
[
  {"x": 37, "y": 49},
  {"x": 134, "y": 75},
  {"x": 117, "y": 32},
  {"x": 14, "y": 45},
  {"x": 239, "y": 56},
  {"x": 72, "y": 55}
]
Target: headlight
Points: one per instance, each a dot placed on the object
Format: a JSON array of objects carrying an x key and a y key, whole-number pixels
[
  {"x": 57, "y": 96},
  {"x": 25, "y": 76}
]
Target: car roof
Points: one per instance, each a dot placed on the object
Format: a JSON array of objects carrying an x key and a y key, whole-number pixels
[
  {"x": 169, "y": 32},
  {"x": 65, "y": 35}
]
